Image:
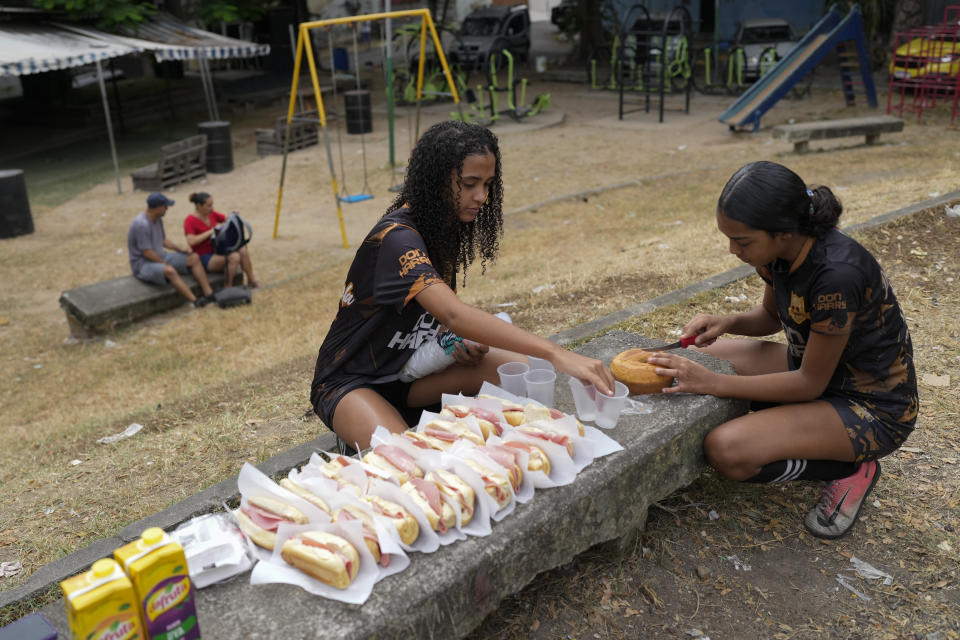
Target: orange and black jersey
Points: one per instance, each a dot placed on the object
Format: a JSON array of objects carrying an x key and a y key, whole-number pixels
[
  {"x": 379, "y": 323},
  {"x": 836, "y": 286}
]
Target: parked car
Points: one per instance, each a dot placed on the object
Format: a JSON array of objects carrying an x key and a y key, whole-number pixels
[
  {"x": 486, "y": 32},
  {"x": 937, "y": 54},
  {"x": 761, "y": 40}
]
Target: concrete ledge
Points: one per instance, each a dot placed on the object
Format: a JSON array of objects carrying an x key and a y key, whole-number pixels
[
  {"x": 448, "y": 593},
  {"x": 100, "y": 307},
  {"x": 208, "y": 500}
]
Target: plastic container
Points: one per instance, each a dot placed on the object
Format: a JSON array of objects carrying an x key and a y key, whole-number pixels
[
  {"x": 430, "y": 357},
  {"x": 157, "y": 567},
  {"x": 101, "y": 603}
]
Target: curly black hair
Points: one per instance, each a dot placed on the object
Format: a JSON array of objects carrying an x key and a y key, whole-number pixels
[{"x": 428, "y": 190}]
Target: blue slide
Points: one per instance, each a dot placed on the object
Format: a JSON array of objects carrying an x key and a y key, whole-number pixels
[{"x": 822, "y": 38}]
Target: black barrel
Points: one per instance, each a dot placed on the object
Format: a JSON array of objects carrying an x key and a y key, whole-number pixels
[
  {"x": 219, "y": 146},
  {"x": 357, "y": 108},
  {"x": 15, "y": 218}
]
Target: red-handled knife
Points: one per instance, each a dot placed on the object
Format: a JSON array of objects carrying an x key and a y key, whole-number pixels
[{"x": 683, "y": 343}]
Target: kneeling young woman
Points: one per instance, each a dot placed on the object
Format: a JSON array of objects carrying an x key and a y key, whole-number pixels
[
  {"x": 400, "y": 291},
  {"x": 844, "y": 383}
]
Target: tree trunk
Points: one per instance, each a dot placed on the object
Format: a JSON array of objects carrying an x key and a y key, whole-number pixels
[
  {"x": 907, "y": 15},
  {"x": 591, "y": 28}
]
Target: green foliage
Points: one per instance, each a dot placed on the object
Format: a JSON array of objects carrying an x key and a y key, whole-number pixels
[
  {"x": 107, "y": 13},
  {"x": 214, "y": 11}
]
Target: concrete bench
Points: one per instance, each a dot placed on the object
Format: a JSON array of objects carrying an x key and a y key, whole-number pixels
[
  {"x": 303, "y": 133},
  {"x": 446, "y": 594},
  {"x": 801, "y": 133},
  {"x": 180, "y": 161},
  {"x": 100, "y": 307}
]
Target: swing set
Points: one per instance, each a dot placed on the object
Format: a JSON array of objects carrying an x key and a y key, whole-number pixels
[{"x": 304, "y": 47}]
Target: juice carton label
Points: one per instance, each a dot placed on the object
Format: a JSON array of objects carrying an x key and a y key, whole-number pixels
[
  {"x": 121, "y": 627},
  {"x": 169, "y": 610},
  {"x": 102, "y": 605},
  {"x": 158, "y": 570}
]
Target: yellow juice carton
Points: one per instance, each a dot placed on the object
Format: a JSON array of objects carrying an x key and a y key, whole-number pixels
[
  {"x": 158, "y": 570},
  {"x": 102, "y": 605}
]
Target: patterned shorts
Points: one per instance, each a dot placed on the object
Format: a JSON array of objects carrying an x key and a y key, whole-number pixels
[{"x": 873, "y": 430}]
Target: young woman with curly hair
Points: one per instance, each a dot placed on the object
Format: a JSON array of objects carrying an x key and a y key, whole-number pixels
[
  {"x": 842, "y": 392},
  {"x": 400, "y": 292}
]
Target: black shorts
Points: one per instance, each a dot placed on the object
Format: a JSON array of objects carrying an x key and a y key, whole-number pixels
[
  {"x": 325, "y": 403},
  {"x": 874, "y": 430}
]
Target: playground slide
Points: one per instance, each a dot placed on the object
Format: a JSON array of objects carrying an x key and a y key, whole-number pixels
[{"x": 812, "y": 48}]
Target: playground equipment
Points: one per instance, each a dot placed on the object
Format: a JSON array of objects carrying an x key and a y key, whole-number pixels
[
  {"x": 304, "y": 46},
  {"x": 714, "y": 71},
  {"x": 833, "y": 31},
  {"x": 648, "y": 55},
  {"x": 655, "y": 57},
  {"x": 925, "y": 67},
  {"x": 487, "y": 112},
  {"x": 404, "y": 78},
  {"x": 365, "y": 193}
]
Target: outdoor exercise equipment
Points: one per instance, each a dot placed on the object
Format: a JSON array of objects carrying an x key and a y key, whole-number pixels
[
  {"x": 515, "y": 90},
  {"x": 304, "y": 47},
  {"x": 833, "y": 31},
  {"x": 652, "y": 58}
]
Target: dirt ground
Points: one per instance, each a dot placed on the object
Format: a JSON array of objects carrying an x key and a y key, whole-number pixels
[{"x": 562, "y": 263}]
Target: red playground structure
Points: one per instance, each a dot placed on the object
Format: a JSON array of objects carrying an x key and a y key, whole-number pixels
[{"x": 925, "y": 67}]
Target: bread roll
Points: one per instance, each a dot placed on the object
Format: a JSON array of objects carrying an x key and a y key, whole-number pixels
[
  {"x": 324, "y": 556},
  {"x": 304, "y": 493},
  {"x": 632, "y": 369},
  {"x": 406, "y": 524}
]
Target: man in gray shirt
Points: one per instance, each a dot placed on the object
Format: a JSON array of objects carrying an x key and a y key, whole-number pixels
[{"x": 149, "y": 261}]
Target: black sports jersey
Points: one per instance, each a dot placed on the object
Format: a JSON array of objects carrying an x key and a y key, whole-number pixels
[
  {"x": 379, "y": 323},
  {"x": 836, "y": 286}
]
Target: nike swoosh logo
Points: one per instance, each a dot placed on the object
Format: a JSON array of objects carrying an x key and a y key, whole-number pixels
[{"x": 836, "y": 511}]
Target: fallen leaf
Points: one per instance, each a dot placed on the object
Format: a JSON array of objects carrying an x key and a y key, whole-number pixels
[{"x": 934, "y": 380}]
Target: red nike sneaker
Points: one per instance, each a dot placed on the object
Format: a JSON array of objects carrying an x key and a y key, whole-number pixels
[{"x": 841, "y": 502}]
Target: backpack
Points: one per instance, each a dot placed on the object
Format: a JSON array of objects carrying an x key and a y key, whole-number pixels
[
  {"x": 231, "y": 235},
  {"x": 232, "y": 297}
]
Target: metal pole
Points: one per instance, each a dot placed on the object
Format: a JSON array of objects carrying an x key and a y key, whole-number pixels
[
  {"x": 420, "y": 64},
  {"x": 293, "y": 52},
  {"x": 213, "y": 93},
  {"x": 203, "y": 82},
  {"x": 333, "y": 81},
  {"x": 286, "y": 135},
  {"x": 326, "y": 136},
  {"x": 389, "y": 42},
  {"x": 106, "y": 115}
]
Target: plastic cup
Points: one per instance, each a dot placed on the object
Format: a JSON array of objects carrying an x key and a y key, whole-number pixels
[
  {"x": 540, "y": 363},
  {"x": 540, "y": 384},
  {"x": 585, "y": 397},
  {"x": 511, "y": 377},
  {"x": 609, "y": 407}
]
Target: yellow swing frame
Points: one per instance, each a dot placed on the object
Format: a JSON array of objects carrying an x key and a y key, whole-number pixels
[{"x": 303, "y": 45}]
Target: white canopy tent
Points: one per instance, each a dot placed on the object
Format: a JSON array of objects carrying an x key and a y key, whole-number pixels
[{"x": 29, "y": 47}]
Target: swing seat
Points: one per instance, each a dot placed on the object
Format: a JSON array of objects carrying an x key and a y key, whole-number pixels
[{"x": 358, "y": 197}]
